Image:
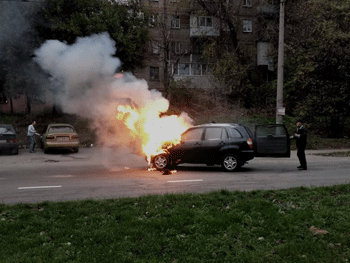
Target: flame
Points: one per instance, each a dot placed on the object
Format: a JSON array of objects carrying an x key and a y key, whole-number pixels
[{"x": 154, "y": 131}]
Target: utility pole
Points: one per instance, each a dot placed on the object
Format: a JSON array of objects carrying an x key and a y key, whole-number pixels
[{"x": 280, "y": 111}]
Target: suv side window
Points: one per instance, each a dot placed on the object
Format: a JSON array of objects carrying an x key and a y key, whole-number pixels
[
  {"x": 193, "y": 135},
  {"x": 235, "y": 134},
  {"x": 213, "y": 133}
]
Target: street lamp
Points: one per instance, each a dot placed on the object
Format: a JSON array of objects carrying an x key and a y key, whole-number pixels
[{"x": 280, "y": 110}]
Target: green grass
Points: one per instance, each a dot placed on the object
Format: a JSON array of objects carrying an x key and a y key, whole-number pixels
[{"x": 221, "y": 226}]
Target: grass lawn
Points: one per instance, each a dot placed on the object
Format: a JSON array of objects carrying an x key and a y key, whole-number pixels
[{"x": 295, "y": 225}]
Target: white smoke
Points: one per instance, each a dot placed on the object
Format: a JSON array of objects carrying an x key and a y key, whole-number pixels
[{"x": 87, "y": 87}]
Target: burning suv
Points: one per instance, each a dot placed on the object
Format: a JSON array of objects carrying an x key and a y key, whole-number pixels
[{"x": 230, "y": 145}]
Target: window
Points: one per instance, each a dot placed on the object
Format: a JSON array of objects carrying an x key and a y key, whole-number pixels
[
  {"x": 206, "y": 21},
  {"x": 177, "y": 47},
  {"x": 197, "y": 46},
  {"x": 213, "y": 134},
  {"x": 155, "y": 47},
  {"x": 184, "y": 69},
  {"x": 195, "y": 69},
  {"x": 234, "y": 133},
  {"x": 175, "y": 23},
  {"x": 204, "y": 69},
  {"x": 153, "y": 20},
  {"x": 61, "y": 129},
  {"x": 247, "y": 2},
  {"x": 193, "y": 135},
  {"x": 154, "y": 73},
  {"x": 247, "y": 25},
  {"x": 3, "y": 98},
  {"x": 6, "y": 129}
]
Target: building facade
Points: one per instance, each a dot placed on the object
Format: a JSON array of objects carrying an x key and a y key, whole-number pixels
[{"x": 178, "y": 28}]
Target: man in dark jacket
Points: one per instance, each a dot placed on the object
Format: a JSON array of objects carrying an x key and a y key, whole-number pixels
[{"x": 301, "y": 140}]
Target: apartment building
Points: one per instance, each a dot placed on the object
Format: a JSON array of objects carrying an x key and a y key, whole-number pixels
[{"x": 178, "y": 28}]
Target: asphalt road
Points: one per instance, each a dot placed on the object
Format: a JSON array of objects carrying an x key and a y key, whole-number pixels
[{"x": 96, "y": 173}]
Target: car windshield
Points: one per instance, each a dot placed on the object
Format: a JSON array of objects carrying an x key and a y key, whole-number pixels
[
  {"x": 6, "y": 130},
  {"x": 61, "y": 129}
]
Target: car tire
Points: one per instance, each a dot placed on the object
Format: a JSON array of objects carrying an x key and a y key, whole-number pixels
[
  {"x": 76, "y": 150},
  {"x": 161, "y": 162},
  {"x": 230, "y": 162}
]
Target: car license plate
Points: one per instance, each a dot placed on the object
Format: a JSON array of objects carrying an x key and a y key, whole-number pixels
[
  {"x": 63, "y": 139},
  {"x": 2, "y": 141}
]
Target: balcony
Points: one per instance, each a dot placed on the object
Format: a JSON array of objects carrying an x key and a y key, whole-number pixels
[{"x": 204, "y": 26}]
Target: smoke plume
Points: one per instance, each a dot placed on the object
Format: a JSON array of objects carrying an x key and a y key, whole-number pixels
[{"x": 87, "y": 87}]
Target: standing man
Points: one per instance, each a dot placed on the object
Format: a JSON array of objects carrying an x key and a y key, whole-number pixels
[
  {"x": 301, "y": 140},
  {"x": 30, "y": 136}
]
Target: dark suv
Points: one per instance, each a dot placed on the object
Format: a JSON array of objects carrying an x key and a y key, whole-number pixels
[{"x": 230, "y": 145}]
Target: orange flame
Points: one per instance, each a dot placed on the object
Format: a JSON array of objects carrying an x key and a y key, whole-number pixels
[{"x": 154, "y": 131}]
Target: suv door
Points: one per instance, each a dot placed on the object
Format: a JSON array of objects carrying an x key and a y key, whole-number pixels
[
  {"x": 271, "y": 140},
  {"x": 214, "y": 139},
  {"x": 189, "y": 149}
]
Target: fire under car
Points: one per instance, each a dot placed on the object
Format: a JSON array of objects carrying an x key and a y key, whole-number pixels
[{"x": 225, "y": 144}]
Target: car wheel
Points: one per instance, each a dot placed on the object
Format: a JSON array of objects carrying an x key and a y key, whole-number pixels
[
  {"x": 160, "y": 162},
  {"x": 76, "y": 150},
  {"x": 230, "y": 162}
]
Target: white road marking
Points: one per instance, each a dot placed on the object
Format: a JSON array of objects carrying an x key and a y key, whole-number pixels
[
  {"x": 39, "y": 187},
  {"x": 62, "y": 175},
  {"x": 186, "y": 181}
]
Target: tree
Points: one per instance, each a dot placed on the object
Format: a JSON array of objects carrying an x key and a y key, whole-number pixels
[
  {"x": 318, "y": 63},
  {"x": 17, "y": 43},
  {"x": 67, "y": 20},
  {"x": 230, "y": 62}
]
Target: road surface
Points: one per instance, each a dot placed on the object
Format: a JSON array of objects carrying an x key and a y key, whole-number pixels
[{"x": 96, "y": 173}]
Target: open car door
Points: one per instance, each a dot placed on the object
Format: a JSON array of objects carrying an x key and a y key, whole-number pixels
[{"x": 271, "y": 140}]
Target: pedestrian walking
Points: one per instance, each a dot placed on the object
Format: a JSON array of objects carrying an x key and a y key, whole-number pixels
[
  {"x": 301, "y": 140},
  {"x": 30, "y": 136}
]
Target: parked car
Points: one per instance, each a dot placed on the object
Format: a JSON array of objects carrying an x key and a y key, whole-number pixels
[
  {"x": 230, "y": 145},
  {"x": 59, "y": 136},
  {"x": 8, "y": 139}
]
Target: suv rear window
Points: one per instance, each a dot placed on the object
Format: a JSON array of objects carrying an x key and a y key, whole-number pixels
[{"x": 234, "y": 133}]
